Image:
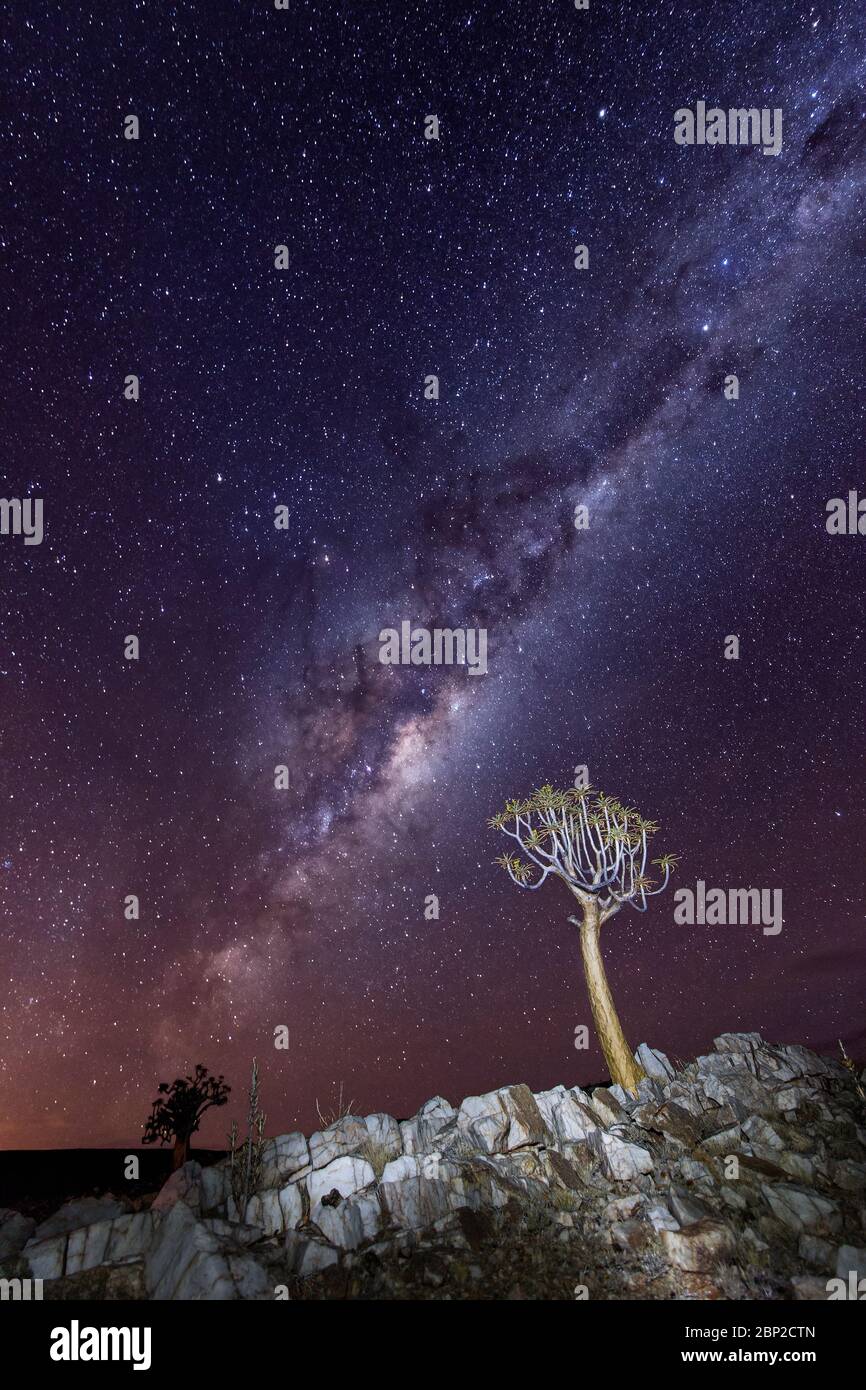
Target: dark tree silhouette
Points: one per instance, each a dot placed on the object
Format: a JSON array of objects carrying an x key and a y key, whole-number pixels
[{"x": 177, "y": 1112}]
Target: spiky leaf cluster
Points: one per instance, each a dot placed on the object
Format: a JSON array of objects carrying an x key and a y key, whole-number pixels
[{"x": 592, "y": 841}]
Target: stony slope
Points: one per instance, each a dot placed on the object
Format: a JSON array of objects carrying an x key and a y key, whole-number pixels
[{"x": 742, "y": 1175}]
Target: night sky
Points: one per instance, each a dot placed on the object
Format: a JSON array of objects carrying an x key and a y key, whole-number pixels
[{"x": 305, "y": 388}]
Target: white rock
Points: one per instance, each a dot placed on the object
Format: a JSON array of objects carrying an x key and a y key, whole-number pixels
[
  {"x": 347, "y": 1174},
  {"x": 607, "y": 1107},
  {"x": 291, "y": 1205},
  {"x": 567, "y": 1114},
  {"x": 621, "y": 1160},
  {"x": 188, "y": 1261},
  {"x": 763, "y": 1133},
  {"x": 413, "y": 1200},
  {"x": 687, "y": 1209},
  {"x": 654, "y": 1063},
  {"x": 621, "y": 1096},
  {"x": 801, "y": 1210},
  {"x": 526, "y": 1122},
  {"x": 799, "y": 1167},
  {"x": 621, "y": 1208},
  {"x": 45, "y": 1257},
  {"x": 422, "y": 1132},
  {"x": 214, "y": 1186},
  {"x": 850, "y": 1176},
  {"x": 660, "y": 1217},
  {"x": 692, "y": 1170},
  {"x": 283, "y": 1158},
  {"x": 384, "y": 1132},
  {"x": 648, "y": 1090},
  {"x": 434, "y": 1116},
  {"x": 687, "y": 1097},
  {"x": 484, "y": 1120},
  {"x": 352, "y": 1222},
  {"x": 807, "y": 1063},
  {"x": 409, "y": 1136},
  {"x": 733, "y": 1198},
  {"x": 265, "y": 1211},
  {"x": 399, "y": 1169},
  {"x": 548, "y": 1103},
  {"x": 121, "y": 1241},
  {"x": 344, "y": 1137},
  {"x": 793, "y": 1096},
  {"x": 738, "y": 1042}
]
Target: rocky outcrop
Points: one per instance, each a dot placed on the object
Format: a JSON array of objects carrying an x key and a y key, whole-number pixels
[{"x": 740, "y": 1175}]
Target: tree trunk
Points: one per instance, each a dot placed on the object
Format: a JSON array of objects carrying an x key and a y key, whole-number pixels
[
  {"x": 624, "y": 1070},
  {"x": 181, "y": 1152}
]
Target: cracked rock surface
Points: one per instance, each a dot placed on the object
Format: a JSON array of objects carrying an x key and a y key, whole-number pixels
[{"x": 741, "y": 1175}]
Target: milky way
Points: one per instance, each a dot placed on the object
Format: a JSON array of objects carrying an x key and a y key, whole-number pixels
[{"x": 304, "y": 388}]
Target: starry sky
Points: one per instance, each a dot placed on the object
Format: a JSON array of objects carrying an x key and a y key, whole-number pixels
[{"x": 304, "y": 387}]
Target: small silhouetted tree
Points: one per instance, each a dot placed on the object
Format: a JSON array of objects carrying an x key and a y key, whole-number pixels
[
  {"x": 599, "y": 850},
  {"x": 177, "y": 1111}
]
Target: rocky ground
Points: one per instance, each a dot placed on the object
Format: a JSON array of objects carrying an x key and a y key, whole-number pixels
[{"x": 739, "y": 1176}]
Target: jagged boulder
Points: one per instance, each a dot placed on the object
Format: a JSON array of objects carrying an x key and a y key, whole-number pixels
[
  {"x": 352, "y": 1221},
  {"x": 621, "y": 1160},
  {"x": 345, "y": 1136},
  {"x": 417, "y": 1190},
  {"x": 608, "y": 1107},
  {"x": 567, "y": 1114},
  {"x": 802, "y": 1210},
  {"x": 422, "y": 1133},
  {"x": 284, "y": 1158},
  {"x": 123, "y": 1239},
  {"x": 215, "y": 1186},
  {"x": 525, "y": 1121},
  {"x": 384, "y": 1136},
  {"x": 276, "y": 1209},
  {"x": 342, "y": 1175},
  {"x": 483, "y": 1122},
  {"x": 654, "y": 1063},
  {"x": 203, "y": 1260}
]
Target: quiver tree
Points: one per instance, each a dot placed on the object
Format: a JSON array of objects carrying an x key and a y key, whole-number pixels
[
  {"x": 177, "y": 1111},
  {"x": 599, "y": 850}
]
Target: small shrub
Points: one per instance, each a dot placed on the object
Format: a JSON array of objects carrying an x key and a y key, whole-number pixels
[
  {"x": 376, "y": 1154},
  {"x": 333, "y": 1113}
]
